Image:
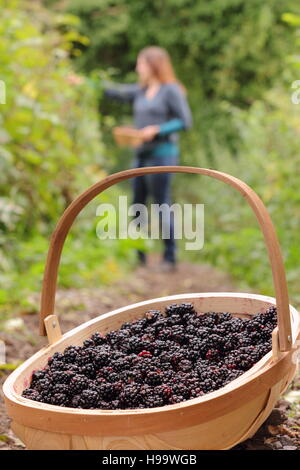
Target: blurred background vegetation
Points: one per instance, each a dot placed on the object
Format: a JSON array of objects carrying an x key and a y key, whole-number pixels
[{"x": 238, "y": 60}]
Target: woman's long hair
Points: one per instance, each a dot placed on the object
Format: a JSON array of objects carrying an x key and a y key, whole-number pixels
[{"x": 161, "y": 65}]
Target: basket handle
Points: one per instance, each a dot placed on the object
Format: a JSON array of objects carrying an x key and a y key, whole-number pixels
[{"x": 262, "y": 215}]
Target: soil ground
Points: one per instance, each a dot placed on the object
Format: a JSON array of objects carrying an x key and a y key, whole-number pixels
[{"x": 282, "y": 429}]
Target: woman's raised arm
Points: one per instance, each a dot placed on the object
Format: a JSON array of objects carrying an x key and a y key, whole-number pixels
[{"x": 120, "y": 92}]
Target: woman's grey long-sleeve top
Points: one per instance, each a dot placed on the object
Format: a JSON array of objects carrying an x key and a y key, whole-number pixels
[{"x": 168, "y": 109}]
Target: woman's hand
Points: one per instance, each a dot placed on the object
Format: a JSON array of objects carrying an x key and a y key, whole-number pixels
[{"x": 149, "y": 132}]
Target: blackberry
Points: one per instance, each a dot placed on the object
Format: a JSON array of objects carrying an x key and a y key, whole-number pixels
[
  {"x": 58, "y": 366},
  {"x": 114, "y": 405},
  {"x": 220, "y": 330},
  {"x": 60, "y": 377},
  {"x": 59, "y": 399},
  {"x": 61, "y": 388},
  {"x": 235, "y": 325},
  {"x": 37, "y": 375},
  {"x": 167, "y": 376},
  {"x": 175, "y": 319},
  {"x": 153, "y": 401},
  {"x": 103, "y": 405},
  {"x": 31, "y": 394},
  {"x": 213, "y": 355},
  {"x": 152, "y": 315},
  {"x": 121, "y": 364},
  {"x": 71, "y": 369},
  {"x": 185, "y": 310},
  {"x": 98, "y": 338},
  {"x": 216, "y": 341},
  {"x": 117, "y": 387},
  {"x": 165, "y": 391},
  {"x": 165, "y": 357},
  {"x": 269, "y": 316},
  {"x": 137, "y": 328},
  {"x": 89, "y": 399},
  {"x": 101, "y": 358},
  {"x": 70, "y": 353},
  {"x": 118, "y": 338},
  {"x": 207, "y": 385},
  {"x": 160, "y": 324},
  {"x": 171, "y": 310},
  {"x": 129, "y": 376},
  {"x": 86, "y": 356},
  {"x": 115, "y": 354},
  {"x": 136, "y": 345},
  {"x": 107, "y": 391},
  {"x": 43, "y": 385},
  {"x": 178, "y": 334},
  {"x": 231, "y": 342},
  {"x": 46, "y": 398},
  {"x": 197, "y": 392},
  {"x": 153, "y": 378},
  {"x": 76, "y": 401},
  {"x": 88, "y": 370},
  {"x": 209, "y": 319},
  {"x": 203, "y": 347},
  {"x": 88, "y": 343},
  {"x": 78, "y": 383},
  {"x": 147, "y": 365},
  {"x": 93, "y": 385},
  {"x": 241, "y": 359},
  {"x": 176, "y": 399},
  {"x": 185, "y": 365},
  {"x": 244, "y": 340},
  {"x": 130, "y": 396},
  {"x": 165, "y": 334},
  {"x": 192, "y": 355},
  {"x": 201, "y": 367},
  {"x": 56, "y": 357},
  {"x": 104, "y": 372},
  {"x": 225, "y": 316},
  {"x": 126, "y": 326},
  {"x": 181, "y": 389},
  {"x": 191, "y": 330},
  {"x": 233, "y": 374},
  {"x": 113, "y": 377}
]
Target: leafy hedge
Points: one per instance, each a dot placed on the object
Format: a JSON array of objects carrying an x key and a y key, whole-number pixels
[
  {"x": 224, "y": 51},
  {"x": 50, "y": 148}
]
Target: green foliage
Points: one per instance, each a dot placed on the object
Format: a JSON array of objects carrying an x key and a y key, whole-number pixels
[
  {"x": 269, "y": 161},
  {"x": 49, "y": 130},
  {"x": 225, "y": 51},
  {"x": 218, "y": 45},
  {"x": 50, "y": 148},
  {"x": 294, "y": 21}
]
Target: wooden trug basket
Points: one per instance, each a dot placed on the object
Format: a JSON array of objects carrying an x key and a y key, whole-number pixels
[
  {"x": 218, "y": 420},
  {"x": 127, "y": 136}
]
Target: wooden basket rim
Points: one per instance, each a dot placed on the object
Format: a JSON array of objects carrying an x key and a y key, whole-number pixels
[
  {"x": 126, "y": 131},
  {"x": 257, "y": 370}
]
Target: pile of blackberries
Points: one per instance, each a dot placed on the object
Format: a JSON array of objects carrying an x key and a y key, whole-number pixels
[{"x": 160, "y": 359}]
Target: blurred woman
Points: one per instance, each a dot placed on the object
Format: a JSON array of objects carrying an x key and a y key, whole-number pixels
[{"x": 160, "y": 110}]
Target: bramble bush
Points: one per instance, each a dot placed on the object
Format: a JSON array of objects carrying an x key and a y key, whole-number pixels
[{"x": 51, "y": 149}]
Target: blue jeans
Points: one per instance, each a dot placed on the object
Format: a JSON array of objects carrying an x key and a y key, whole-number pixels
[{"x": 157, "y": 186}]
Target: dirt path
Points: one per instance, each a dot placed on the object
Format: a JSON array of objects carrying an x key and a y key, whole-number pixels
[{"x": 77, "y": 306}]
